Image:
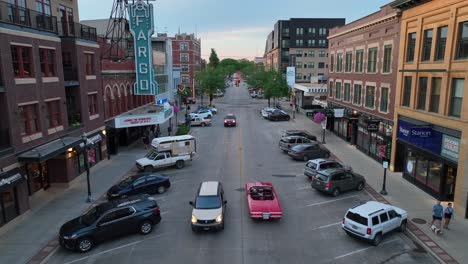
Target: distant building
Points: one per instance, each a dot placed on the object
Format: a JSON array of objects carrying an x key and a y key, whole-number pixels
[
  {"x": 186, "y": 52},
  {"x": 259, "y": 60},
  {"x": 300, "y": 43}
]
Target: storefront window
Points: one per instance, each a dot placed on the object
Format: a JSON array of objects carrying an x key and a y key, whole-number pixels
[
  {"x": 373, "y": 144},
  {"x": 450, "y": 182},
  {"x": 433, "y": 180},
  {"x": 8, "y": 206},
  {"x": 421, "y": 169},
  {"x": 37, "y": 180},
  {"x": 410, "y": 164}
]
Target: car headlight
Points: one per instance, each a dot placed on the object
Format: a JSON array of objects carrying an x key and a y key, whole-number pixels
[
  {"x": 219, "y": 218},
  {"x": 194, "y": 219},
  {"x": 70, "y": 237},
  {"x": 114, "y": 194}
]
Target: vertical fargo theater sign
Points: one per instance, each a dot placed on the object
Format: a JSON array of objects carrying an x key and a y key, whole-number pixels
[{"x": 142, "y": 27}]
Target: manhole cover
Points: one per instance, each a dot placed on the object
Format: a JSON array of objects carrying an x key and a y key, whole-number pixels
[
  {"x": 283, "y": 176},
  {"x": 419, "y": 221}
]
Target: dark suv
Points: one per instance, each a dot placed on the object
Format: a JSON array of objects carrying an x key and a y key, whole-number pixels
[
  {"x": 335, "y": 181},
  {"x": 109, "y": 220}
]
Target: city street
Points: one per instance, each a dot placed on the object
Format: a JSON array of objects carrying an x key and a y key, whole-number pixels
[{"x": 309, "y": 232}]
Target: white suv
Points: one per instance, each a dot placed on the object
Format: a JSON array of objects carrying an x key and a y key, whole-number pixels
[
  {"x": 208, "y": 207},
  {"x": 372, "y": 220}
]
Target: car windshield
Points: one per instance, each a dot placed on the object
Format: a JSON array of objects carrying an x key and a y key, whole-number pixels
[
  {"x": 356, "y": 218},
  {"x": 230, "y": 117},
  {"x": 207, "y": 202},
  {"x": 322, "y": 177},
  {"x": 151, "y": 154},
  {"x": 126, "y": 182},
  {"x": 311, "y": 165},
  {"x": 300, "y": 147},
  {"x": 92, "y": 215}
]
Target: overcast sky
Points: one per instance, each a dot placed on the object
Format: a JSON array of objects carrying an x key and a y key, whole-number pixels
[{"x": 235, "y": 29}]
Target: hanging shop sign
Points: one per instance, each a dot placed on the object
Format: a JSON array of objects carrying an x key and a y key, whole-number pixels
[
  {"x": 291, "y": 76},
  {"x": 450, "y": 147},
  {"x": 141, "y": 26},
  {"x": 372, "y": 126}
]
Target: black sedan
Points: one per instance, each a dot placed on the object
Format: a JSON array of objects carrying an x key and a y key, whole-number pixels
[
  {"x": 145, "y": 183},
  {"x": 308, "y": 151},
  {"x": 110, "y": 220},
  {"x": 278, "y": 115},
  {"x": 302, "y": 133}
]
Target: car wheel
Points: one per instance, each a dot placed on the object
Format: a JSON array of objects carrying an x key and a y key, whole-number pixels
[
  {"x": 222, "y": 226},
  {"x": 203, "y": 124},
  {"x": 179, "y": 164},
  {"x": 209, "y": 116},
  {"x": 327, "y": 155},
  {"x": 145, "y": 227},
  {"x": 336, "y": 192},
  {"x": 402, "y": 226},
  {"x": 287, "y": 118},
  {"x": 85, "y": 244},
  {"x": 161, "y": 189},
  {"x": 377, "y": 239},
  {"x": 306, "y": 158},
  {"x": 360, "y": 186},
  {"x": 148, "y": 169}
]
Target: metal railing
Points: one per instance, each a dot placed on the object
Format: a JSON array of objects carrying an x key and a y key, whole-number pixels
[
  {"x": 13, "y": 14},
  {"x": 77, "y": 30}
]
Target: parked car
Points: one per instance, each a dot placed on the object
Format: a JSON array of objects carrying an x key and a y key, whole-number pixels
[
  {"x": 230, "y": 120},
  {"x": 202, "y": 113},
  {"x": 218, "y": 93},
  {"x": 308, "y": 151},
  {"x": 209, "y": 207},
  {"x": 110, "y": 220},
  {"x": 372, "y": 220},
  {"x": 143, "y": 183},
  {"x": 302, "y": 133},
  {"x": 262, "y": 201},
  {"x": 286, "y": 143},
  {"x": 338, "y": 180},
  {"x": 266, "y": 111},
  {"x": 314, "y": 166},
  {"x": 200, "y": 121},
  {"x": 278, "y": 115}
]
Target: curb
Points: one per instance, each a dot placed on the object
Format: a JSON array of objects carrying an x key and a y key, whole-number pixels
[{"x": 51, "y": 247}]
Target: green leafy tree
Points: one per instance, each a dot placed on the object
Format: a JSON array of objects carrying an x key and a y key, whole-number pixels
[
  {"x": 214, "y": 60},
  {"x": 211, "y": 80}
]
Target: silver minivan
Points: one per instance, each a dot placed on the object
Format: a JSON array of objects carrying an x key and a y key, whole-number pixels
[
  {"x": 209, "y": 207},
  {"x": 286, "y": 143}
]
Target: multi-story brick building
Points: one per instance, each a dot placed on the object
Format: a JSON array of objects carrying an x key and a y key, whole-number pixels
[
  {"x": 186, "y": 55},
  {"x": 300, "y": 42},
  {"x": 363, "y": 57},
  {"x": 49, "y": 97},
  {"x": 431, "y": 114}
]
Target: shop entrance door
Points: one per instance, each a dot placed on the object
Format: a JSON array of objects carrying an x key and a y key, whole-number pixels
[
  {"x": 449, "y": 184},
  {"x": 38, "y": 177}
]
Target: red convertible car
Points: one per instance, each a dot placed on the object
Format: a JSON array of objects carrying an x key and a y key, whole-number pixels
[{"x": 263, "y": 201}]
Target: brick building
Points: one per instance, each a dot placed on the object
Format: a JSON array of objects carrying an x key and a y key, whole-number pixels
[
  {"x": 363, "y": 57},
  {"x": 431, "y": 114},
  {"x": 49, "y": 96},
  {"x": 186, "y": 55}
]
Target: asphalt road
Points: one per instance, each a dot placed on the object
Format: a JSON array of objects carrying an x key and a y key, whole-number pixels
[{"x": 310, "y": 231}]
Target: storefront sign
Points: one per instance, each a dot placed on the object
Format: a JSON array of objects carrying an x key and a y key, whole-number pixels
[
  {"x": 422, "y": 136},
  {"x": 142, "y": 27},
  {"x": 372, "y": 126},
  {"x": 339, "y": 112},
  {"x": 10, "y": 180},
  {"x": 415, "y": 131},
  {"x": 450, "y": 147}
]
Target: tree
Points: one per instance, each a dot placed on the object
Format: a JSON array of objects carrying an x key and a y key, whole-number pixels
[
  {"x": 275, "y": 86},
  {"x": 214, "y": 60},
  {"x": 211, "y": 79}
]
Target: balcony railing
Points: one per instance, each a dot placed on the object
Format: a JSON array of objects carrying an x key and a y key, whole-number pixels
[
  {"x": 13, "y": 14},
  {"x": 77, "y": 30}
]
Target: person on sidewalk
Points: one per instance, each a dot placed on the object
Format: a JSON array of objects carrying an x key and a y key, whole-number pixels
[
  {"x": 437, "y": 211},
  {"x": 448, "y": 215}
]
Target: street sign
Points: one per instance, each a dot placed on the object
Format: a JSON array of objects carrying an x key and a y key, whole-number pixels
[{"x": 141, "y": 26}]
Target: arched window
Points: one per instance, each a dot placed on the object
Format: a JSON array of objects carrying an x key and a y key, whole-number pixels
[
  {"x": 116, "y": 103},
  {"x": 129, "y": 97},
  {"x": 108, "y": 104},
  {"x": 123, "y": 98}
]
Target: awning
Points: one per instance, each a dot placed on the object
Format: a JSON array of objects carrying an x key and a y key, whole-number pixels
[
  {"x": 10, "y": 178},
  {"x": 49, "y": 150}
]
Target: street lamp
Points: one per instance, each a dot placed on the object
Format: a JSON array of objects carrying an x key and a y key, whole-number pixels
[
  {"x": 85, "y": 142},
  {"x": 385, "y": 166}
]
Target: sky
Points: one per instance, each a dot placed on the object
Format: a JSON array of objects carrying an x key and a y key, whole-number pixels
[{"x": 235, "y": 29}]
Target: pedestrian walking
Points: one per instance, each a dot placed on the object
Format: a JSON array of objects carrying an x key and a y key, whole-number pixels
[
  {"x": 145, "y": 139},
  {"x": 449, "y": 214},
  {"x": 437, "y": 212}
]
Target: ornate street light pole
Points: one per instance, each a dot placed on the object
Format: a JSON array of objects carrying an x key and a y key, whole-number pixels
[{"x": 85, "y": 142}]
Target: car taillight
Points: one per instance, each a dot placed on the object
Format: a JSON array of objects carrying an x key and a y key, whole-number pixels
[
  {"x": 328, "y": 184},
  {"x": 289, "y": 146},
  {"x": 369, "y": 231},
  {"x": 156, "y": 210},
  {"x": 343, "y": 221}
]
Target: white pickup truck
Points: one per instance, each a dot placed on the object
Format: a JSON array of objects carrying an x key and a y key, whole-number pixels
[{"x": 154, "y": 160}]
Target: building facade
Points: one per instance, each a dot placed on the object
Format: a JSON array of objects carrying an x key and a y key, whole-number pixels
[
  {"x": 49, "y": 95},
  {"x": 300, "y": 42},
  {"x": 431, "y": 113},
  {"x": 186, "y": 55},
  {"x": 363, "y": 60}
]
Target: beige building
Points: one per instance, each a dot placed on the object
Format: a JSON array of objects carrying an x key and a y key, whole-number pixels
[{"x": 431, "y": 113}]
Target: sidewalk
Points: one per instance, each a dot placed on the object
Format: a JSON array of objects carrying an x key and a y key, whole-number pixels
[{"x": 401, "y": 193}]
